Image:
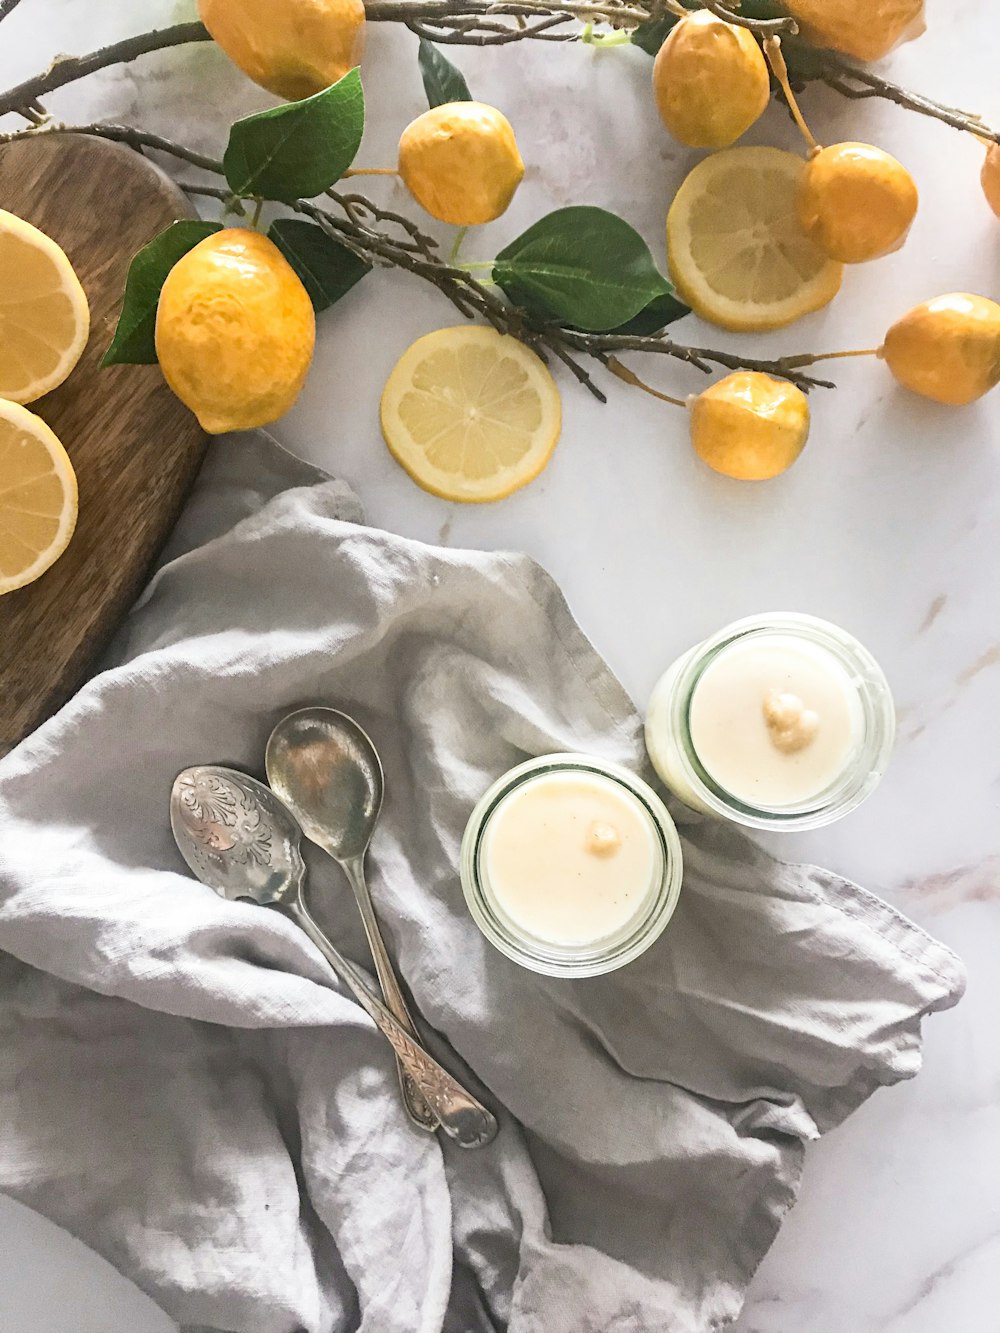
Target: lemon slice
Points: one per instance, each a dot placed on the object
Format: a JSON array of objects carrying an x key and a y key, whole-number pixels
[
  {"x": 44, "y": 316},
  {"x": 471, "y": 414},
  {"x": 38, "y": 498},
  {"x": 737, "y": 251}
]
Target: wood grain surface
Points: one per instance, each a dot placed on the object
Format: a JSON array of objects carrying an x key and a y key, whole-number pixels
[{"x": 135, "y": 448}]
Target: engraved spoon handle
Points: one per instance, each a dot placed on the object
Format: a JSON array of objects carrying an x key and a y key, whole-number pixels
[
  {"x": 462, "y": 1117},
  {"x": 416, "y": 1104}
]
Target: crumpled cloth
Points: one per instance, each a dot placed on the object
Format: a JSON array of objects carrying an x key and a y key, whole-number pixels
[{"x": 185, "y": 1086}]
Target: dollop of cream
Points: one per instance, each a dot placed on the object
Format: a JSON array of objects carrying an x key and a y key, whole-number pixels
[
  {"x": 790, "y": 724},
  {"x": 602, "y": 839}
]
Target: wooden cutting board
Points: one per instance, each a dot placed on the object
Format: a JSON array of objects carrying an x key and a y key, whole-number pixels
[{"x": 135, "y": 448}]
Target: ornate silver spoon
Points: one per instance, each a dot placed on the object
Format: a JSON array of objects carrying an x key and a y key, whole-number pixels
[
  {"x": 328, "y": 773},
  {"x": 240, "y": 840}
]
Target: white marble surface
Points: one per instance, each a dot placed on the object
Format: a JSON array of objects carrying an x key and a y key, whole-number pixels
[{"x": 889, "y": 524}]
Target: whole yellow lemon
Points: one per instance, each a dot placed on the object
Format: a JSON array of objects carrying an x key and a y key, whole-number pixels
[
  {"x": 867, "y": 29},
  {"x": 947, "y": 349},
  {"x": 856, "y": 202},
  {"x": 461, "y": 162},
  {"x": 710, "y": 80},
  {"x": 990, "y": 177},
  {"x": 749, "y": 426},
  {"x": 293, "y": 48},
  {"x": 235, "y": 331}
]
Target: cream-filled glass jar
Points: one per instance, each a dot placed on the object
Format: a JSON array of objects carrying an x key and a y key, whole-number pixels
[
  {"x": 570, "y": 865},
  {"x": 779, "y": 721}
]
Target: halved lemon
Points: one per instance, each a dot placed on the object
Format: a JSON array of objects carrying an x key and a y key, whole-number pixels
[
  {"x": 737, "y": 252},
  {"x": 44, "y": 315},
  {"x": 471, "y": 414},
  {"x": 38, "y": 499}
]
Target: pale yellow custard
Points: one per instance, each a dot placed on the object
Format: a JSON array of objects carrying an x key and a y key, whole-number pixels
[
  {"x": 775, "y": 720},
  {"x": 571, "y": 857}
]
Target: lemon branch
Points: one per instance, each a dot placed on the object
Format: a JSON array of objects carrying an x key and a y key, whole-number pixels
[
  {"x": 493, "y": 23},
  {"x": 7, "y": 7},
  {"x": 381, "y": 236},
  {"x": 858, "y": 82},
  {"x": 126, "y": 134},
  {"x": 67, "y": 69}
]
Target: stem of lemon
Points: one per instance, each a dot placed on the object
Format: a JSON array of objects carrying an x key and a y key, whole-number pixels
[
  {"x": 456, "y": 246},
  {"x": 258, "y": 208},
  {"x": 371, "y": 171},
  {"x": 837, "y": 356},
  {"x": 630, "y": 377},
  {"x": 772, "y": 49},
  {"x": 591, "y": 38}
]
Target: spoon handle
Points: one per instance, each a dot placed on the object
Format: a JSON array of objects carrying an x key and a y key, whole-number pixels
[
  {"x": 462, "y": 1117},
  {"x": 416, "y": 1104}
]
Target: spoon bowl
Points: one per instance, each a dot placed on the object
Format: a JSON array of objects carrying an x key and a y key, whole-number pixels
[
  {"x": 236, "y": 835},
  {"x": 325, "y": 767}
]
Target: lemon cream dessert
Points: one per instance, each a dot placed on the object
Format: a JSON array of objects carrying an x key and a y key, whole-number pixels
[
  {"x": 571, "y": 865},
  {"x": 571, "y": 857},
  {"x": 776, "y": 720}
]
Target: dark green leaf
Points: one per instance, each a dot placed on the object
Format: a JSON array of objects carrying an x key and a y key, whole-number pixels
[
  {"x": 583, "y": 266},
  {"x": 134, "y": 343},
  {"x": 651, "y": 35},
  {"x": 804, "y": 62},
  {"x": 298, "y": 150},
  {"x": 442, "y": 81},
  {"x": 328, "y": 270},
  {"x": 660, "y": 312}
]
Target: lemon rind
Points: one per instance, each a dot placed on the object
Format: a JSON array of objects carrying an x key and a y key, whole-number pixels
[{"x": 21, "y": 418}]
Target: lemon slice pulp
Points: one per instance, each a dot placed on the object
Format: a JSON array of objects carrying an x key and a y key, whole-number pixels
[
  {"x": 471, "y": 414},
  {"x": 737, "y": 251},
  {"x": 44, "y": 315},
  {"x": 38, "y": 497}
]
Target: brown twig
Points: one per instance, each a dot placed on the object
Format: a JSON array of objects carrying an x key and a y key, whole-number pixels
[
  {"x": 858, "y": 81},
  {"x": 67, "y": 69},
  {"x": 358, "y": 207},
  {"x": 125, "y": 134},
  {"x": 7, "y": 7},
  {"x": 763, "y": 27},
  {"x": 617, "y": 13},
  {"x": 491, "y": 32}
]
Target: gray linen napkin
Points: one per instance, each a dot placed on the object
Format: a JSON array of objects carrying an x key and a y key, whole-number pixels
[{"x": 185, "y": 1087}]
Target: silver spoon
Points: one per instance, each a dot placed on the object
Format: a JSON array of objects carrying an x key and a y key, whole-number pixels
[
  {"x": 328, "y": 773},
  {"x": 240, "y": 840}
]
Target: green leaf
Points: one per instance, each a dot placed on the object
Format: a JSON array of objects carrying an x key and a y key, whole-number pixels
[
  {"x": 651, "y": 35},
  {"x": 660, "y": 312},
  {"x": 442, "y": 81},
  {"x": 298, "y": 150},
  {"x": 582, "y": 266},
  {"x": 134, "y": 343},
  {"x": 328, "y": 270}
]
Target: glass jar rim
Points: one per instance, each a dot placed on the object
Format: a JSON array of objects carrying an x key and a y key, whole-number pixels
[
  {"x": 565, "y": 960},
  {"x": 857, "y": 780}
]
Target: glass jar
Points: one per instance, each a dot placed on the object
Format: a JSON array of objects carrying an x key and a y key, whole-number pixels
[
  {"x": 670, "y": 745},
  {"x": 555, "y": 958}
]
